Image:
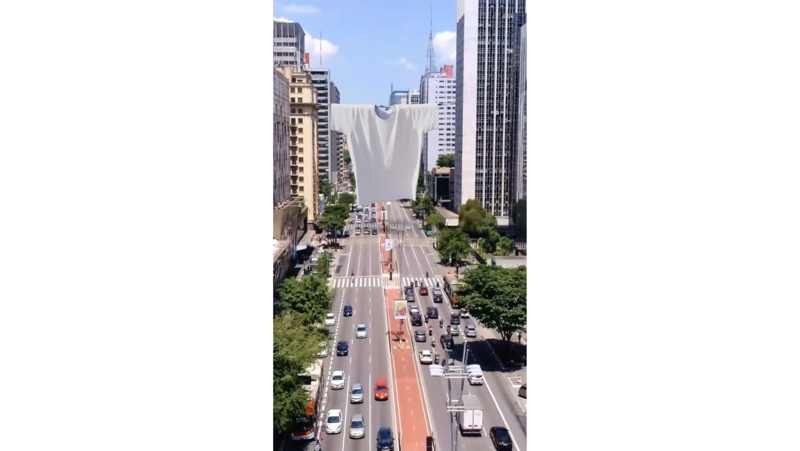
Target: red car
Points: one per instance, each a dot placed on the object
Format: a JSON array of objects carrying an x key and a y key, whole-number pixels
[
  {"x": 423, "y": 290},
  {"x": 381, "y": 390}
]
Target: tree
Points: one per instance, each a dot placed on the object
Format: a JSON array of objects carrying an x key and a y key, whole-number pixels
[
  {"x": 309, "y": 297},
  {"x": 434, "y": 220},
  {"x": 324, "y": 264},
  {"x": 471, "y": 216},
  {"x": 346, "y": 199},
  {"x": 331, "y": 223},
  {"x": 294, "y": 348},
  {"x": 446, "y": 160},
  {"x": 422, "y": 206},
  {"x": 496, "y": 297},
  {"x": 505, "y": 245},
  {"x": 352, "y": 177},
  {"x": 453, "y": 242},
  {"x": 421, "y": 182},
  {"x": 346, "y": 156},
  {"x": 325, "y": 187},
  {"x": 488, "y": 242}
]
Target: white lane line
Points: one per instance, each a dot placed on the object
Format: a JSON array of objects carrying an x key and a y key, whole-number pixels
[
  {"x": 344, "y": 417},
  {"x": 423, "y": 394},
  {"x": 486, "y": 382}
]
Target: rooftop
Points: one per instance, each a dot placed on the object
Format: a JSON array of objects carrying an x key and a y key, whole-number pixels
[{"x": 510, "y": 261}]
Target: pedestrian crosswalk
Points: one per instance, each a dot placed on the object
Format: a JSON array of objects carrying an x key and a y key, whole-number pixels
[
  {"x": 355, "y": 282},
  {"x": 400, "y": 225},
  {"x": 429, "y": 281}
]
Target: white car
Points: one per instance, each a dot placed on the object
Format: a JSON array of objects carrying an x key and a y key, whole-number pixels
[
  {"x": 470, "y": 332},
  {"x": 361, "y": 331},
  {"x": 333, "y": 424},
  {"x": 464, "y": 313},
  {"x": 413, "y": 310},
  {"x": 337, "y": 380},
  {"x": 425, "y": 357},
  {"x": 324, "y": 353},
  {"x": 330, "y": 319},
  {"x": 358, "y": 221}
]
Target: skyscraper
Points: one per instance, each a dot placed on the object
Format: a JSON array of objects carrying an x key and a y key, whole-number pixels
[
  {"x": 281, "y": 184},
  {"x": 520, "y": 216},
  {"x": 289, "y": 45},
  {"x": 439, "y": 88},
  {"x": 413, "y": 97},
  {"x": 327, "y": 93},
  {"x": 487, "y": 65}
]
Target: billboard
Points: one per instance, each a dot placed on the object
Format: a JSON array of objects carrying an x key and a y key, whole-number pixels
[{"x": 400, "y": 309}]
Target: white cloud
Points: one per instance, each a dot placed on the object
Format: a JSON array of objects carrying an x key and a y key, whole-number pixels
[
  {"x": 402, "y": 62},
  {"x": 444, "y": 47},
  {"x": 329, "y": 50},
  {"x": 300, "y": 9},
  {"x": 282, "y": 19}
]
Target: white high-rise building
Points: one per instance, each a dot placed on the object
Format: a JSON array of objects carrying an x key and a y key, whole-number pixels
[
  {"x": 413, "y": 97},
  {"x": 327, "y": 93},
  {"x": 487, "y": 63},
  {"x": 289, "y": 44},
  {"x": 439, "y": 88}
]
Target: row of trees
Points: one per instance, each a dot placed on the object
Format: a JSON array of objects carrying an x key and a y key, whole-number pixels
[
  {"x": 496, "y": 297},
  {"x": 334, "y": 217}
]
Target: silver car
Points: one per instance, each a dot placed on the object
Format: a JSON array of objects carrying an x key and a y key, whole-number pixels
[
  {"x": 454, "y": 330},
  {"x": 361, "y": 331},
  {"x": 357, "y": 426},
  {"x": 356, "y": 394},
  {"x": 470, "y": 332}
]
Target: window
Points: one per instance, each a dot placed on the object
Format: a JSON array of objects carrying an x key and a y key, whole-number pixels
[{"x": 300, "y": 120}]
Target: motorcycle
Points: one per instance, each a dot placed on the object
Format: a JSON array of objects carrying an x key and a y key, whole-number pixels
[
  {"x": 436, "y": 359},
  {"x": 430, "y": 331},
  {"x": 441, "y": 323},
  {"x": 433, "y": 342},
  {"x": 416, "y": 283}
]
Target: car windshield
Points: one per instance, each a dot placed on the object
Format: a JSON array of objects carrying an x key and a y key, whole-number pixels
[
  {"x": 333, "y": 419},
  {"x": 381, "y": 387},
  {"x": 361, "y": 329},
  {"x": 330, "y": 316},
  {"x": 342, "y": 345},
  {"x": 337, "y": 377},
  {"x": 356, "y": 391},
  {"x": 502, "y": 435},
  {"x": 358, "y": 424}
]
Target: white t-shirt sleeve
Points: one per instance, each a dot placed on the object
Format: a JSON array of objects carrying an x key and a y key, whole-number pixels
[
  {"x": 427, "y": 118},
  {"x": 342, "y": 118}
]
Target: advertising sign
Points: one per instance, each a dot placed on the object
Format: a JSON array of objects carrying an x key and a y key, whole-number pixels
[
  {"x": 400, "y": 309},
  {"x": 388, "y": 244}
]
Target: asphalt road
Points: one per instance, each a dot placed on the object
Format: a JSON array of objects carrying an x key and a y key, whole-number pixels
[{"x": 496, "y": 396}]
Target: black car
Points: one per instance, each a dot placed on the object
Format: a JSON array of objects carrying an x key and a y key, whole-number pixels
[
  {"x": 342, "y": 348},
  {"x": 374, "y": 231},
  {"x": 385, "y": 439},
  {"x": 409, "y": 289},
  {"x": 455, "y": 320},
  {"x": 410, "y": 296},
  {"x": 501, "y": 439},
  {"x": 419, "y": 336},
  {"x": 416, "y": 320},
  {"x": 447, "y": 341},
  {"x": 433, "y": 313},
  {"x": 438, "y": 298},
  {"x": 347, "y": 311}
]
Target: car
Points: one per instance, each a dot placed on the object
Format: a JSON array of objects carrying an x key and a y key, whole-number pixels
[
  {"x": 330, "y": 319},
  {"x": 409, "y": 289},
  {"x": 357, "y": 426},
  {"x": 385, "y": 439},
  {"x": 413, "y": 310},
  {"x": 324, "y": 353},
  {"x": 347, "y": 310},
  {"x": 381, "y": 390},
  {"x": 455, "y": 319},
  {"x": 523, "y": 391},
  {"x": 333, "y": 423},
  {"x": 337, "y": 380},
  {"x": 437, "y": 291},
  {"x": 463, "y": 313},
  {"x": 453, "y": 329},
  {"x": 447, "y": 341},
  {"x": 474, "y": 374},
  {"x": 358, "y": 221},
  {"x": 358, "y": 231},
  {"x": 416, "y": 320},
  {"x": 346, "y": 233},
  {"x": 433, "y": 312},
  {"x": 500, "y": 438},
  {"x": 450, "y": 359},
  {"x": 374, "y": 231},
  {"x": 342, "y": 348},
  {"x": 361, "y": 331},
  {"x": 356, "y": 394},
  {"x": 409, "y": 297},
  {"x": 423, "y": 290},
  {"x": 470, "y": 331},
  {"x": 425, "y": 356},
  {"x": 352, "y": 221},
  {"x": 419, "y": 336}
]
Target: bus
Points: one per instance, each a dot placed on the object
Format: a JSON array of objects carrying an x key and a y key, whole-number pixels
[
  {"x": 451, "y": 285},
  {"x": 305, "y": 427}
]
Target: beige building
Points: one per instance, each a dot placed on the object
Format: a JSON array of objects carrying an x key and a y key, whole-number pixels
[{"x": 303, "y": 145}]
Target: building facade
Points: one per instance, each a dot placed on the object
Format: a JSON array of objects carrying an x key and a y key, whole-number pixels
[
  {"x": 439, "y": 88},
  {"x": 303, "y": 143},
  {"x": 487, "y": 74},
  {"x": 413, "y": 97},
  {"x": 520, "y": 214},
  {"x": 398, "y": 98},
  {"x": 336, "y": 140},
  {"x": 327, "y": 94},
  {"x": 439, "y": 186},
  {"x": 289, "y": 44},
  {"x": 281, "y": 184}
]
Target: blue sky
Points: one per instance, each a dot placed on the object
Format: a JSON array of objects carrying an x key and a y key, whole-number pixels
[{"x": 367, "y": 43}]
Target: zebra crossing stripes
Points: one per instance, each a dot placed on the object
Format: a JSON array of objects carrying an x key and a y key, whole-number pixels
[
  {"x": 400, "y": 225},
  {"x": 429, "y": 281},
  {"x": 347, "y": 282}
]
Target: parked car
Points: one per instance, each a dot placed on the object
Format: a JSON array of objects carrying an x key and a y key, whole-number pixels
[
  {"x": 333, "y": 424},
  {"x": 500, "y": 438},
  {"x": 356, "y": 394},
  {"x": 337, "y": 380},
  {"x": 330, "y": 319},
  {"x": 470, "y": 331},
  {"x": 425, "y": 356},
  {"x": 381, "y": 390},
  {"x": 347, "y": 311},
  {"x": 357, "y": 426},
  {"x": 361, "y": 331},
  {"x": 342, "y": 348},
  {"x": 419, "y": 336},
  {"x": 324, "y": 353}
]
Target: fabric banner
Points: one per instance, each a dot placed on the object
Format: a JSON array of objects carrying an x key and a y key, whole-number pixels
[{"x": 400, "y": 309}]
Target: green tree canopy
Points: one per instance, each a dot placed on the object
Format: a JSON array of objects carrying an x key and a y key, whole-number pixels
[
  {"x": 496, "y": 297},
  {"x": 422, "y": 206},
  {"x": 434, "y": 220},
  {"x": 294, "y": 349},
  {"x": 309, "y": 297},
  {"x": 324, "y": 264},
  {"x": 471, "y": 216},
  {"x": 346, "y": 199},
  {"x": 346, "y": 156},
  {"x": 352, "y": 177},
  {"x": 325, "y": 187},
  {"x": 332, "y": 223},
  {"x": 453, "y": 241},
  {"x": 505, "y": 245},
  {"x": 446, "y": 160}
]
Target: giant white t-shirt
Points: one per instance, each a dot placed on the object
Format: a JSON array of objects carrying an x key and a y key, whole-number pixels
[{"x": 385, "y": 147}]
